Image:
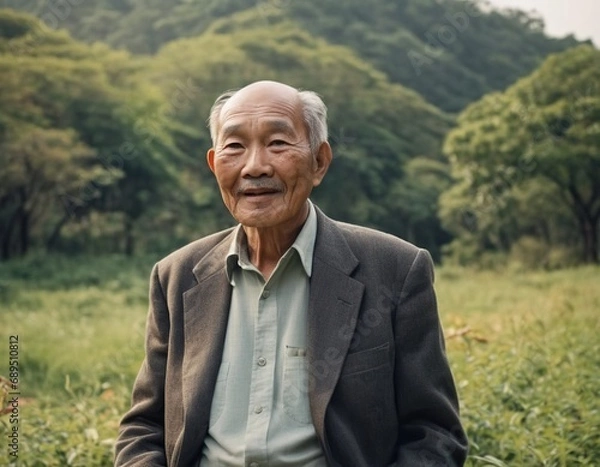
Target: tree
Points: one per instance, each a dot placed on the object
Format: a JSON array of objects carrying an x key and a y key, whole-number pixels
[
  {"x": 41, "y": 166},
  {"x": 81, "y": 130},
  {"x": 413, "y": 200},
  {"x": 546, "y": 127}
]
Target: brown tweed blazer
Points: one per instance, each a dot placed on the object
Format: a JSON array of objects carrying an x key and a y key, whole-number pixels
[{"x": 381, "y": 392}]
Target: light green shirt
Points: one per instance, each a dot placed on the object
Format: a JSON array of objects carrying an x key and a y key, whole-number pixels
[{"x": 260, "y": 413}]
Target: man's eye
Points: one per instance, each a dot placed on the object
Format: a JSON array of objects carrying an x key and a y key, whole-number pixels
[
  {"x": 278, "y": 142},
  {"x": 233, "y": 146}
]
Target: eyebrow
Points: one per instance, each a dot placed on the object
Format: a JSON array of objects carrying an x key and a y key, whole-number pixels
[
  {"x": 230, "y": 129},
  {"x": 280, "y": 126}
]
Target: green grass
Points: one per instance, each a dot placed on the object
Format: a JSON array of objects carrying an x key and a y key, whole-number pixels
[
  {"x": 524, "y": 348},
  {"x": 528, "y": 369},
  {"x": 80, "y": 324}
]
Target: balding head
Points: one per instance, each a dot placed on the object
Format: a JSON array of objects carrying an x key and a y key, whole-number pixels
[
  {"x": 312, "y": 110},
  {"x": 261, "y": 91}
]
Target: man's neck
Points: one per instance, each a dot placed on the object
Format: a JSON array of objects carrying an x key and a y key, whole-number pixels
[{"x": 266, "y": 245}]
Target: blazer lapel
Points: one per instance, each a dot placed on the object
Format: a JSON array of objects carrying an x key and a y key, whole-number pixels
[
  {"x": 206, "y": 310},
  {"x": 334, "y": 303}
]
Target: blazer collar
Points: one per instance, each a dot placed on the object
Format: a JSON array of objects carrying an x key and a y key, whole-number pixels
[
  {"x": 331, "y": 246},
  {"x": 214, "y": 261}
]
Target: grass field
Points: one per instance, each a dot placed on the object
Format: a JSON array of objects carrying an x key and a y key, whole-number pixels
[{"x": 524, "y": 347}]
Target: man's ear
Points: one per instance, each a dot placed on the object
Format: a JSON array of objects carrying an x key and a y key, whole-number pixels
[
  {"x": 322, "y": 162},
  {"x": 210, "y": 158}
]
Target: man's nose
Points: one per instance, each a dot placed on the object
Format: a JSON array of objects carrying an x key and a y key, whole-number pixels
[{"x": 257, "y": 163}]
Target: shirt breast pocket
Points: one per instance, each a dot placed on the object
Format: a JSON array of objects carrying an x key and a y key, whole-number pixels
[{"x": 295, "y": 388}]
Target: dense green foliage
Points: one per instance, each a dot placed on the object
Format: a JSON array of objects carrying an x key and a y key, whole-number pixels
[
  {"x": 451, "y": 52},
  {"x": 525, "y": 362},
  {"x": 103, "y": 151},
  {"x": 157, "y": 142},
  {"x": 75, "y": 138},
  {"x": 528, "y": 163}
]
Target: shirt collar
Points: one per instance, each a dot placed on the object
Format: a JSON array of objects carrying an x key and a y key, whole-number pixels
[{"x": 304, "y": 245}]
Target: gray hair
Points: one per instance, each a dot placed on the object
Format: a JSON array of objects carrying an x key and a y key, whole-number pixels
[
  {"x": 215, "y": 113},
  {"x": 314, "y": 114}
]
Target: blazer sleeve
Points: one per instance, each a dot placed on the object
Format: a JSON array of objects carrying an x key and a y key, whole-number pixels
[
  {"x": 141, "y": 434},
  {"x": 430, "y": 432}
]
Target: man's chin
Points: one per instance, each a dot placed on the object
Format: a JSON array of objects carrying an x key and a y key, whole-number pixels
[
  {"x": 257, "y": 217},
  {"x": 267, "y": 215}
]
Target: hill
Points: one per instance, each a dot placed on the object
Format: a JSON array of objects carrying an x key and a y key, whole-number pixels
[{"x": 451, "y": 52}]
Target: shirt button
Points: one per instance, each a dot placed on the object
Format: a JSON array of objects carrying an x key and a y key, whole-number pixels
[
  {"x": 266, "y": 293},
  {"x": 262, "y": 361},
  {"x": 258, "y": 409}
]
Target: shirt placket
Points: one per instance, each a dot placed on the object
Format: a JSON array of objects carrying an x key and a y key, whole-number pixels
[{"x": 262, "y": 379}]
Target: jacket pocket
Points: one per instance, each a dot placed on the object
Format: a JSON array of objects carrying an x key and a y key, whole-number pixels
[
  {"x": 364, "y": 396},
  {"x": 366, "y": 360}
]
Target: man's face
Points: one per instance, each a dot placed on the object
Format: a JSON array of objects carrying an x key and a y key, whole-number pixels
[{"x": 262, "y": 158}]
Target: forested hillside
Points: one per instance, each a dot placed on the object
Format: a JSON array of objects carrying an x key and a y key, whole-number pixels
[
  {"x": 103, "y": 149},
  {"x": 451, "y": 52}
]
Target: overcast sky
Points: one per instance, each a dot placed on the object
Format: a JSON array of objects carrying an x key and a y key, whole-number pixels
[{"x": 580, "y": 17}]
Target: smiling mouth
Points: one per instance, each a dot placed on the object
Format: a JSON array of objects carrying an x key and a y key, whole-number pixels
[
  {"x": 259, "y": 193},
  {"x": 264, "y": 197}
]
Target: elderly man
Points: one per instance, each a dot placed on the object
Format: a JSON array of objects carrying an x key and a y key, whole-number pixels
[{"x": 291, "y": 339}]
